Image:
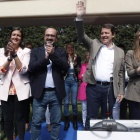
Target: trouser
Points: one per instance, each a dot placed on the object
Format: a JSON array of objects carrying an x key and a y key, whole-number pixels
[
  {"x": 84, "y": 111},
  {"x": 116, "y": 111},
  {"x": 0, "y": 120},
  {"x": 134, "y": 108},
  {"x": 96, "y": 97},
  {"x": 71, "y": 86},
  {"x": 27, "y": 108},
  {"x": 47, "y": 115},
  {"x": 9, "y": 108},
  {"x": 39, "y": 109},
  {"x": 123, "y": 109}
]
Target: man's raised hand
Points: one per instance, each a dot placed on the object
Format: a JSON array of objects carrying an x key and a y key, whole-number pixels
[{"x": 80, "y": 9}]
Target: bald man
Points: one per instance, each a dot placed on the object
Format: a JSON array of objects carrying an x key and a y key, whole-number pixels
[{"x": 47, "y": 65}]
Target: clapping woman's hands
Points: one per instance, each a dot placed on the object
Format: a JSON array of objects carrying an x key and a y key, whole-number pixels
[
  {"x": 11, "y": 48},
  {"x": 75, "y": 59}
]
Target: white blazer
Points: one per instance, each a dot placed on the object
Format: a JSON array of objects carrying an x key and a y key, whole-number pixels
[
  {"x": 0, "y": 76},
  {"x": 20, "y": 79},
  {"x": 0, "y": 100}
]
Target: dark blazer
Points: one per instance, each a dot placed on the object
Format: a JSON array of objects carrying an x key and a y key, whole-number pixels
[
  {"x": 38, "y": 68},
  {"x": 133, "y": 87},
  {"x": 94, "y": 46}
]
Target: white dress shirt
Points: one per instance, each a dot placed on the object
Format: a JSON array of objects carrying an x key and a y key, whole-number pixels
[
  {"x": 49, "y": 83},
  {"x": 104, "y": 64}
]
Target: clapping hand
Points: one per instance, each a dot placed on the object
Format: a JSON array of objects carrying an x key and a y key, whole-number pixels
[
  {"x": 49, "y": 49},
  {"x": 75, "y": 59},
  {"x": 69, "y": 58},
  {"x": 80, "y": 9},
  {"x": 11, "y": 48}
]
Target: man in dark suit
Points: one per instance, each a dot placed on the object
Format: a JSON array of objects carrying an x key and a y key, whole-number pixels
[
  {"x": 106, "y": 63},
  {"x": 47, "y": 65}
]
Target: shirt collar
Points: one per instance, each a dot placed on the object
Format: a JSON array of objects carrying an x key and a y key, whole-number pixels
[{"x": 111, "y": 48}]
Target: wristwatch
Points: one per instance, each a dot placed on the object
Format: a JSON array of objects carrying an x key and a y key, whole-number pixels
[
  {"x": 14, "y": 56},
  {"x": 9, "y": 59}
]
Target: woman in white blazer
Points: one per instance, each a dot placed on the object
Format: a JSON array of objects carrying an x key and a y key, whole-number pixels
[{"x": 14, "y": 86}]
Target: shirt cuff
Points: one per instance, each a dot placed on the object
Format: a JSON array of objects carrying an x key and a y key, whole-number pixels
[
  {"x": 3, "y": 70},
  {"x": 20, "y": 69},
  {"x": 79, "y": 19}
]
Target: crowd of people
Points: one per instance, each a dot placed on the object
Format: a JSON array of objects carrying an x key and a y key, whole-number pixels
[{"x": 43, "y": 76}]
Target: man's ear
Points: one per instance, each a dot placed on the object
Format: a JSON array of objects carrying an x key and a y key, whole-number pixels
[
  {"x": 56, "y": 38},
  {"x": 114, "y": 35}
]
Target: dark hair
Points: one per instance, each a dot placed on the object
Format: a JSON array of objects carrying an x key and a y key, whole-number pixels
[
  {"x": 29, "y": 43},
  {"x": 120, "y": 45},
  {"x": 109, "y": 26},
  {"x": 22, "y": 44},
  {"x": 136, "y": 46}
]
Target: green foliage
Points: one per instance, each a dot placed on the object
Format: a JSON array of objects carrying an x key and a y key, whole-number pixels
[
  {"x": 35, "y": 35},
  {"x": 4, "y": 35}
]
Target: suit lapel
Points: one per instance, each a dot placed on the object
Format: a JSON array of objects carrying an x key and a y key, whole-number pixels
[
  {"x": 95, "y": 53},
  {"x": 42, "y": 52},
  {"x": 56, "y": 50},
  {"x": 96, "y": 50},
  {"x": 115, "y": 57}
]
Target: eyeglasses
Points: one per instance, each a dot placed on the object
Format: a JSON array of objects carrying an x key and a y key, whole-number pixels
[{"x": 50, "y": 35}]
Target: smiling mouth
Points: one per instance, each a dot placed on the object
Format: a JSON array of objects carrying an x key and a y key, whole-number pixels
[
  {"x": 105, "y": 39},
  {"x": 15, "y": 40},
  {"x": 49, "y": 42}
]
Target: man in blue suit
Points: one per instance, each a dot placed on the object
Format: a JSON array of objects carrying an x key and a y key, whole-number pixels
[{"x": 47, "y": 65}]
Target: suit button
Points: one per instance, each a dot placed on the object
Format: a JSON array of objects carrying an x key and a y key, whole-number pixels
[{"x": 134, "y": 83}]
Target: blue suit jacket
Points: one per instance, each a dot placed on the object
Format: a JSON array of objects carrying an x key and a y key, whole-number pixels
[{"x": 38, "y": 68}]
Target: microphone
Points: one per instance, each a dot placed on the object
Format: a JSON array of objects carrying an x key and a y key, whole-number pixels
[
  {"x": 46, "y": 43},
  {"x": 108, "y": 108},
  {"x": 49, "y": 43}
]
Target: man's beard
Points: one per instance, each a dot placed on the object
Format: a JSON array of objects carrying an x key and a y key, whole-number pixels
[{"x": 49, "y": 43}]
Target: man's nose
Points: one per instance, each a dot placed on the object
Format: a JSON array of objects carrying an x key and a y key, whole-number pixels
[{"x": 49, "y": 36}]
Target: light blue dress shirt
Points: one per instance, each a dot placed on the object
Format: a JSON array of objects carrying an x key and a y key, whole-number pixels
[{"x": 49, "y": 83}]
